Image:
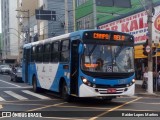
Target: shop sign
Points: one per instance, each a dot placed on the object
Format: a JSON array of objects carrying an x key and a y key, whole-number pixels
[{"x": 136, "y": 25}]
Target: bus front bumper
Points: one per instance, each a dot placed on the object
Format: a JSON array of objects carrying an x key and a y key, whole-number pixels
[{"x": 86, "y": 91}]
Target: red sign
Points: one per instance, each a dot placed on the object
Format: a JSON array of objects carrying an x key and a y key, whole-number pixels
[
  {"x": 111, "y": 90},
  {"x": 157, "y": 23},
  {"x": 148, "y": 48},
  {"x": 135, "y": 24}
]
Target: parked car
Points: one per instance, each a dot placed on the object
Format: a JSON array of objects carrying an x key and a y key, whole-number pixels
[
  {"x": 5, "y": 69},
  {"x": 1, "y": 66},
  {"x": 16, "y": 74}
]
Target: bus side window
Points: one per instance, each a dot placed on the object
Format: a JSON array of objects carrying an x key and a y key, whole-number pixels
[
  {"x": 55, "y": 52},
  {"x": 46, "y": 55},
  {"x": 40, "y": 53},
  {"x": 65, "y": 51},
  {"x": 33, "y": 54}
]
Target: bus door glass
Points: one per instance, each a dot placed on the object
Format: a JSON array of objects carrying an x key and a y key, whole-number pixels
[
  {"x": 26, "y": 60},
  {"x": 74, "y": 66}
]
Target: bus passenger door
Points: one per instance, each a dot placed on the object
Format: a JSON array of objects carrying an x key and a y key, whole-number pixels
[
  {"x": 74, "y": 68},
  {"x": 26, "y": 65}
]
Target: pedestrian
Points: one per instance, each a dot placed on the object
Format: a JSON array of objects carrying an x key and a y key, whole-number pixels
[
  {"x": 155, "y": 76},
  {"x": 145, "y": 79},
  {"x": 140, "y": 75},
  {"x": 158, "y": 81}
]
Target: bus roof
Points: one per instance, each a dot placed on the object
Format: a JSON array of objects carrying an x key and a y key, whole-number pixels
[{"x": 60, "y": 37}]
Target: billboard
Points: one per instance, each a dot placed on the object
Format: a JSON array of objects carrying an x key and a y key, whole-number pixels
[
  {"x": 156, "y": 25},
  {"x": 136, "y": 25}
]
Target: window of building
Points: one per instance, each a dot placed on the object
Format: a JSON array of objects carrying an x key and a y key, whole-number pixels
[
  {"x": 80, "y": 2},
  {"x": 85, "y": 22}
]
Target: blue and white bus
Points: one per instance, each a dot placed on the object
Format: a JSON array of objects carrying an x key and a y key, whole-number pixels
[{"x": 85, "y": 63}]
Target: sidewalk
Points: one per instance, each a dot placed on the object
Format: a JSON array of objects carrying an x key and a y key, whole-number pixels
[{"x": 141, "y": 92}]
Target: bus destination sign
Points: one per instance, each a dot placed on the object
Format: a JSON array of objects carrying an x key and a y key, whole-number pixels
[{"x": 105, "y": 36}]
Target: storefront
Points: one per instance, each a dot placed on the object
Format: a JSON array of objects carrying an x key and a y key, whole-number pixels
[{"x": 141, "y": 60}]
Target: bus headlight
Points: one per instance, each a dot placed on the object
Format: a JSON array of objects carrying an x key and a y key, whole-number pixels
[
  {"x": 133, "y": 81},
  {"x": 86, "y": 82}
]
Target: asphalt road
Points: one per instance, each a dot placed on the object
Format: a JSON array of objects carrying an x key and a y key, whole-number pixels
[{"x": 18, "y": 101}]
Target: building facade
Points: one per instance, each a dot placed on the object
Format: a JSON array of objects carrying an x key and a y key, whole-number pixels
[
  {"x": 58, "y": 26},
  {"x": 84, "y": 14},
  {"x": 26, "y": 28},
  {"x": 45, "y": 28},
  {"x": 9, "y": 41}
]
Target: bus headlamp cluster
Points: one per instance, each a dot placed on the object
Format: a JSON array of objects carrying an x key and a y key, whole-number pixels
[
  {"x": 88, "y": 83},
  {"x": 131, "y": 83}
]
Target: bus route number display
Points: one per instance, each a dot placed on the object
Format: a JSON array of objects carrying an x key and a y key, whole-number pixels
[
  {"x": 118, "y": 37},
  {"x": 105, "y": 36}
]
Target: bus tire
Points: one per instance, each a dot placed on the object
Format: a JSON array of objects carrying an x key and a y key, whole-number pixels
[
  {"x": 35, "y": 88},
  {"x": 64, "y": 92}
]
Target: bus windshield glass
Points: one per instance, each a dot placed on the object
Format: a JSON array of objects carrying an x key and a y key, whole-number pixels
[{"x": 107, "y": 58}]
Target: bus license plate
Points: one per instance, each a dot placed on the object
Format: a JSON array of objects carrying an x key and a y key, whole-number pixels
[{"x": 111, "y": 90}]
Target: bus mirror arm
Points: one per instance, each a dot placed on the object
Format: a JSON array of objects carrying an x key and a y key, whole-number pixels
[{"x": 81, "y": 49}]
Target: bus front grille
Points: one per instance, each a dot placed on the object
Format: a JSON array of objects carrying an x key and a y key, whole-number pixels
[{"x": 111, "y": 90}]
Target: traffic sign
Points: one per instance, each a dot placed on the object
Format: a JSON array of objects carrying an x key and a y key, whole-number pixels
[
  {"x": 45, "y": 15},
  {"x": 148, "y": 48}
]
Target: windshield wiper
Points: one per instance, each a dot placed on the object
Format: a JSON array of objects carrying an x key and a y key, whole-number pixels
[
  {"x": 90, "y": 52},
  {"x": 119, "y": 51}
]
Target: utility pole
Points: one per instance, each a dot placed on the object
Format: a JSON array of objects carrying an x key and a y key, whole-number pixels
[
  {"x": 66, "y": 15},
  {"x": 74, "y": 24},
  {"x": 28, "y": 26},
  {"x": 150, "y": 59},
  {"x": 94, "y": 14}
]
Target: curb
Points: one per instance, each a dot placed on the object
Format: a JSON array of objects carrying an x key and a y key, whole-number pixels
[
  {"x": 141, "y": 92},
  {"x": 147, "y": 94}
]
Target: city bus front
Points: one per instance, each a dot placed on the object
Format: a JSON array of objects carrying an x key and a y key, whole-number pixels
[{"x": 106, "y": 64}]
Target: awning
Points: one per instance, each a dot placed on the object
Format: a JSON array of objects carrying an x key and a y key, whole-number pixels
[{"x": 138, "y": 51}]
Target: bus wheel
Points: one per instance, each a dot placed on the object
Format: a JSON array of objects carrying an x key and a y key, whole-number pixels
[
  {"x": 64, "y": 92},
  {"x": 35, "y": 88}
]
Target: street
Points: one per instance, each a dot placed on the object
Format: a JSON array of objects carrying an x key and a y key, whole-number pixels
[{"x": 19, "y": 97}]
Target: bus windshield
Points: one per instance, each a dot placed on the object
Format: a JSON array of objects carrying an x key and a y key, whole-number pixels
[{"x": 107, "y": 58}]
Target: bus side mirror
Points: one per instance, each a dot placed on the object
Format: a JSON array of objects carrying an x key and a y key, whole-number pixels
[{"x": 81, "y": 49}]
